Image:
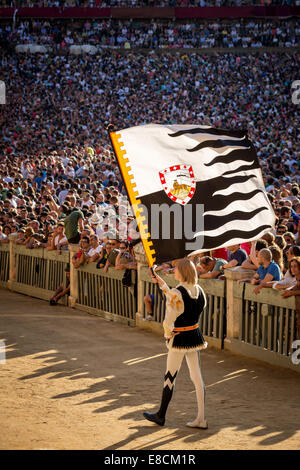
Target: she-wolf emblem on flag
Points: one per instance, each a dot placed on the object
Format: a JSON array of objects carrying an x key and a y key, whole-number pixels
[{"x": 179, "y": 183}]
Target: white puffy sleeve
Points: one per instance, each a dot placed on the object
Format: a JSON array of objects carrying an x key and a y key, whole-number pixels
[{"x": 174, "y": 308}]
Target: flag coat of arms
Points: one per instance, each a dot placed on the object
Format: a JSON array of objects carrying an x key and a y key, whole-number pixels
[{"x": 192, "y": 188}]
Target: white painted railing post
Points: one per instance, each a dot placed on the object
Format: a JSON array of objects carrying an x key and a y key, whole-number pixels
[
  {"x": 141, "y": 259},
  {"x": 12, "y": 262},
  {"x": 74, "y": 293},
  {"x": 234, "y": 306}
]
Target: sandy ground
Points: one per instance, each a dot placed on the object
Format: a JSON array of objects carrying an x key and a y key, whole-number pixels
[{"x": 76, "y": 381}]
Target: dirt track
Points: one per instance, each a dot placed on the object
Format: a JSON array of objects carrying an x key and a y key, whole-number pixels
[{"x": 75, "y": 381}]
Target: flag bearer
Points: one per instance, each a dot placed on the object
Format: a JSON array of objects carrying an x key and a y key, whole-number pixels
[{"x": 184, "y": 338}]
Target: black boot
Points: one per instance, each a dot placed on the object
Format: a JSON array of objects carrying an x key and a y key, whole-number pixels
[
  {"x": 154, "y": 418},
  {"x": 159, "y": 417}
]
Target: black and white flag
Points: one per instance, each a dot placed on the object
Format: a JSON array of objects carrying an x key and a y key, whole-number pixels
[{"x": 192, "y": 188}]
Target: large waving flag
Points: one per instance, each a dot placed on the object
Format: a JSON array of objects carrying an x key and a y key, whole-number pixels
[{"x": 192, "y": 188}]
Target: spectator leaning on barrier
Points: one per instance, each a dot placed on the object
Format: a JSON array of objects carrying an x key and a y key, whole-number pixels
[
  {"x": 37, "y": 241},
  {"x": 81, "y": 256},
  {"x": 106, "y": 249},
  {"x": 268, "y": 270},
  {"x": 95, "y": 250},
  {"x": 252, "y": 262},
  {"x": 210, "y": 268},
  {"x": 294, "y": 267},
  {"x": 59, "y": 240},
  {"x": 236, "y": 256},
  {"x": 28, "y": 235},
  {"x": 124, "y": 258},
  {"x": 288, "y": 279},
  {"x": 20, "y": 236}
]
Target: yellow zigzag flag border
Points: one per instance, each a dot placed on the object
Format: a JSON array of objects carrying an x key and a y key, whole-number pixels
[{"x": 133, "y": 196}]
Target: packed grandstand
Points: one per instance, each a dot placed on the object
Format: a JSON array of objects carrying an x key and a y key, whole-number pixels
[{"x": 55, "y": 152}]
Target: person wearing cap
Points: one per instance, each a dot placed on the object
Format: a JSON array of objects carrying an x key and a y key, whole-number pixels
[
  {"x": 61, "y": 291},
  {"x": 34, "y": 224},
  {"x": 95, "y": 220}
]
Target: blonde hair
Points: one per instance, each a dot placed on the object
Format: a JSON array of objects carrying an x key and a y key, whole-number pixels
[
  {"x": 187, "y": 271},
  {"x": 266, "y": 254}
]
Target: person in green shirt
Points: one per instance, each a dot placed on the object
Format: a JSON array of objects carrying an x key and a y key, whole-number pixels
[
  {"x": 3, "y": 194},
  {"x": 73, "y": 223},
  {"x": 211, "y": 267}
]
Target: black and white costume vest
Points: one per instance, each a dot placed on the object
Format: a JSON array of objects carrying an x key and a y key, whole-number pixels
[{"x": 193, "y": 307}]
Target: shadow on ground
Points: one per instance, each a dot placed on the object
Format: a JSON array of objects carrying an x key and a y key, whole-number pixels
[{"x": 118, "y": 369}]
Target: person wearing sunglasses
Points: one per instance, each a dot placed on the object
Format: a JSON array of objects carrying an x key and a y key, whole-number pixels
[
  {"x": 105, "y": 252},
  {"x": 125, "y": 259},
  {"x": 289, "y": 238}
]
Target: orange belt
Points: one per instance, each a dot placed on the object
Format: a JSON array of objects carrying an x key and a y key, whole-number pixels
[{"x": 186, "y": 328}]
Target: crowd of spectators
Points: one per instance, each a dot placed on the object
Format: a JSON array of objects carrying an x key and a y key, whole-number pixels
[
  {"x": 59, "y": 103},
  {"x": 60, "y": 183},
  {"x": 155, "y": 34},
  {"x": 141, "y": 3},
  {"x": 43, "y": 210}
]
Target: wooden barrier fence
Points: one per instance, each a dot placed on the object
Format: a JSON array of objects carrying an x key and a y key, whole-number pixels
[
  {"x": 264, "y": 326},
  {"x": 36, "y": 272},
  {"x": 268, "y": 325},
  {"x": 103, "y": 293}
]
